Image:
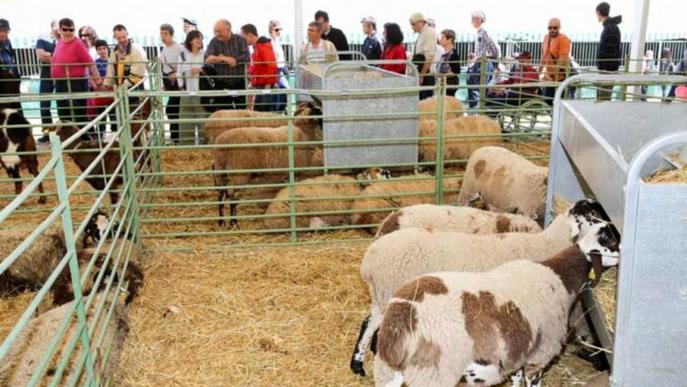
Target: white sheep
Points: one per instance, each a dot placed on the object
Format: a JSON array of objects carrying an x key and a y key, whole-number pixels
[
  {"x": 506, "y": 181},
  {"x": 262, "y": 157},
  {"x": 380, "y": 199},
  {"x": 33, "y": 342},
  {"x": 322, "y": 201},
  {"x": 477, "y": 328},
  {"x": 461, "y": 137},
  {"x": 456, "y": 219},
  {"x": 396, "y": 258}
]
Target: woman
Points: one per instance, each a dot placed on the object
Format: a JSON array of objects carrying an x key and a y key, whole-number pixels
[
  {"x": 45, "y": 47},
  {"x": 70, "y": 64},
  {"x": 88, "y": 36},
  {"x": 275, "y": 31},
  {"x": 449, "y": 62},
  {"x": 393, "y": 48},
  {"x": 188, "y": 77}
]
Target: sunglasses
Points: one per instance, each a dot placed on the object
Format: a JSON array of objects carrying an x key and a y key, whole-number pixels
[
  {"x": 553, "y": 27},
  {"x": 85, "y": 36},
  {"x": 67, "y": 29},
  {"x": 278, "y": 29}
]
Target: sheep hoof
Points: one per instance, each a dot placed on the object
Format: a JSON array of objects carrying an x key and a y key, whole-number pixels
[
  {"x": 234, "y": 224},
  {"x": 221, "y": 222},
  {"x": 357, "y": 367},
  {"x": 42, "y": 200}
]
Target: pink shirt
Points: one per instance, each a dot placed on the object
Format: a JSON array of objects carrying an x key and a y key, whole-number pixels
[{"x": 75, "y": 54}]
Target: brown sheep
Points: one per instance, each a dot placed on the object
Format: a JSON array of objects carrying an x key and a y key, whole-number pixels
[
  {"x": 458, "y": 147},
  {"x": 427, "y": 108},
  {"x": 263, "y": 157}
]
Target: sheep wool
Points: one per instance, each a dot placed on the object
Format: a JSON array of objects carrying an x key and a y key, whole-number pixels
[
  {"x": 224, "y": 120},
  {"x": 506, "y": 181},
  {"x": 459, "y": 137},
  {"x": 381, "y": 198},
  {"x": 33, "y": 341},
  {"x": 453, "y": 108},
  {"x": 456, "y": 219}
]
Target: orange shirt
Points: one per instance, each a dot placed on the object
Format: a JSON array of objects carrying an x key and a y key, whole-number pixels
[{"x": 555, "y": 56}]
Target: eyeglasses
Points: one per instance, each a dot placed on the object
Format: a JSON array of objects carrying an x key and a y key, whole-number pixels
[
  {"x": 85, "y": 36},
  {"x": 67, "y": 29},
  {"x": 554, "y": 27}
]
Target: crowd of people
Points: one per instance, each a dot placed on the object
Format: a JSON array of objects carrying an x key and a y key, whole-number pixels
[{"x": 76, "y": 61}]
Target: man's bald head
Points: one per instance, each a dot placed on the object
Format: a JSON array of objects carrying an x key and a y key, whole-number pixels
[
  {"x": 554, "y": 27},
  {"x": 222, "y": 29}
]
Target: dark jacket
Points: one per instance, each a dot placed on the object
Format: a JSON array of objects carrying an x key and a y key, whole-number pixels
[
  {"x": 450, "y": 62},
  {"x": 337, "y": 37},
  {"x": 609, "y": 55},
  {"x": 372, "y": 48}
]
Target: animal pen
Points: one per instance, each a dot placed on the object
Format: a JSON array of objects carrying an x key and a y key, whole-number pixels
[{"x": 262, "y": 303}]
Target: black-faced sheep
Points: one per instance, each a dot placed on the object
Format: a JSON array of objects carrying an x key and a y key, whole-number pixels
[
  {"x": 461, "y": 137},
  {"x": 400, "y": 256},
  {"x": 322, "y": 201},
  {"x": 456, "y": 219},
  {"x": 33, "y": 342},
  {"x": 445, "y": 328},
  {"x": 16, "y": 136},
  {"x": 263, "y": 157},
  {"x": 506, "y": 181}
]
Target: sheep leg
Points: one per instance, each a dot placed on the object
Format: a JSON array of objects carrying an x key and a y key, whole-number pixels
[
  {"x": 222, "y": 196},
  {"x": 13, "y": 172},
  {"x": 232, "y": 209},
  {"x": 482, "y": 372},
  {"x": 386, "y": 376},
  {"x": 368, "y": 332},
  {"x": 32, "y": 166},
  {"x": 114, "y": 198},
  {"x": 533, "y": 376},
  {"x": 517, "y": 378}
]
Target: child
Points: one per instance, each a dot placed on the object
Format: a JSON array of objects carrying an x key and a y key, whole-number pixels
[{"x": 98, "y": 105}]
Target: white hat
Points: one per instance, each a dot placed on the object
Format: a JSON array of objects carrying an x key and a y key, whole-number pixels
[
  {"x": 190, "y": 21},
  {"x": 416, "y": 17}
]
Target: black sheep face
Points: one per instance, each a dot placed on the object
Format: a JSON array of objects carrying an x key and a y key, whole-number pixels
[{"x": 585, "y": 214}]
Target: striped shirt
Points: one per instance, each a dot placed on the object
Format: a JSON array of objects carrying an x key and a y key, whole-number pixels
[
  {"x": 237, "y": 48},
  {"x": 484, "y": 45}
]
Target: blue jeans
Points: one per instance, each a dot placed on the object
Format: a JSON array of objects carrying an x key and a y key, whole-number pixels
[
  {"x": 47, "y": 86},
  {"x": 474, "y": 79}
]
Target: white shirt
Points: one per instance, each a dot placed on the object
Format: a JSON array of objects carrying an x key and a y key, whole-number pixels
[
  {"x": 278, "y": 53},
  {"x": 188, "y": 62},
  {"x": 170, "y": 57},
  {"x": 437, "y": 58}
]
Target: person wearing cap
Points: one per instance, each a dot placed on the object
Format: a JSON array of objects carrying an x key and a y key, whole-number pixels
[
  {"x": 555, "y": 59},
  {"x": 393, "y": 49},
  {"x": 449, "y": 64},
  {"x": 169, "y": 57},
  {"x": 45, "y": 47},
  {"x": 515, "y": 96},
  {"x": 484, "y": 47},
  {"x": 274, "y": 27},
  {"x": 190, "y": 24},
  {"x": 609, "y": 54},
  {"x": 317, "y": 50},
  {"x": 228, "y": 54},
  {"x": 72, "y": 65},
  {"x": 10, "y": 81},
  {"x": 372, "y": 48},
  {"x": 424, "y": 51},
  {"x": 262, "y": 69},
  {"x": 334, "y": 35}
]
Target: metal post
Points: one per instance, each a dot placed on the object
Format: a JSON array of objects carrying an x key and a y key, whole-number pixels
[
  {"x": 637, "y": 41},
  {"x": 158, "y": 113},
  {"x": 297, "y": 37},
  {"x": 292, "y": 164},
  {"x": 127, "y": 154},
  {"x": 482, "y": 81},
  {"x": 62, "y": 194},
  {"x": 439, "y": 159}
]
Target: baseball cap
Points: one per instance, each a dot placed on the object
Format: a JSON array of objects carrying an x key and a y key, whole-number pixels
[
  {"x": 4, "y": 24},
  {"x": 274, "y": 25},
  {"x": 190, "y": 21},
  {"x": 417, "y": 17}
]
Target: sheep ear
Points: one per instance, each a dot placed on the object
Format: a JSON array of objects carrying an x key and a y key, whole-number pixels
[{"x": 597, "y": 267}]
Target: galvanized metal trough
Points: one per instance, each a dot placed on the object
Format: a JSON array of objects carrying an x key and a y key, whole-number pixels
[
  {"x": 351, "y": 117},
  {"x": 606, "y": 150}
]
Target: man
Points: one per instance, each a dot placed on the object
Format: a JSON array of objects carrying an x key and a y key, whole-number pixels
[
  {"x": 555, "y": 60},
  {"x": 263, "y": 67},
  {"x": 334, "y": 35},
  {"x": 228, "y": 54},
  {"x": 484, "y": 47},
  {"x": 317, "y": 50},
  {"x": 424, "y": 51},
  {"x": 169, "y": 58},
  {"x": 372, "y": 48},
  {"x": 10, "y": 80},
  {"x": 45, "y": 47},
  {"x": 127, "y": 64},
  {"x": 608, "y": 54},
  {"x": 189, "y": 24}
]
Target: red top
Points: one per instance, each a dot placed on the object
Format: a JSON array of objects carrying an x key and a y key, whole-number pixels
[
  {"x": 394, "y": 52},
  {"x": 263, "y": 66},
  {"x": 526, "y": 74},
  {"x": 70, "y": 59}
]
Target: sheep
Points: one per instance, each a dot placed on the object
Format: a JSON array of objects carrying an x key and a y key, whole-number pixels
[
  {"x": 402, "y": 255},
  {"x": 32, "y": 269},
  {"x": 427, "y": 108},
  {"x": 310, "y": 193},
  {"x": 33, "y": 341},
  {"x": 99, "y": 176},
  {"x": 225, "y": 120},
  {"x": 457, "y": 141},
  {"x": 506, "y": 181},
  {"x": 18, "y": 138},
  {"x": 445, "y": 328},
  {"x": 394, "y": 193},
  {"x": 262, "y": 157},
  {"x": 456, "y": 219}
]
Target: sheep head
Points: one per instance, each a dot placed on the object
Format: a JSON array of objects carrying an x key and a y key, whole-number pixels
[
  {"x": 304, "y": 112},
  {"x": 601, "y": 246}
]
